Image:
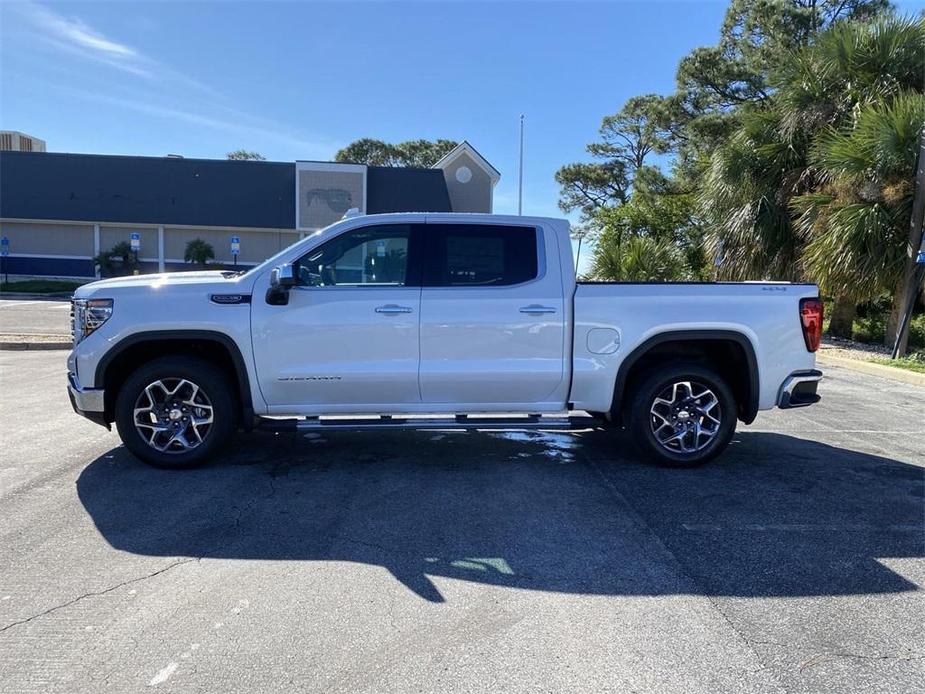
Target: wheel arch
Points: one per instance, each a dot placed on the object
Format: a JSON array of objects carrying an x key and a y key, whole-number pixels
[
  {"x": 707, "y": 345},
  {"x": 133, "y": 350}
]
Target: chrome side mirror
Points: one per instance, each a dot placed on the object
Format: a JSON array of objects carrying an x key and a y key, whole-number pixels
[{"x": 282, "y": 278}]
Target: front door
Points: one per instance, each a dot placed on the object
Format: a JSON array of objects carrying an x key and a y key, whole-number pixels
[
  {"x": 492, "y": 319},
  {"x": 348, "y": 340}
]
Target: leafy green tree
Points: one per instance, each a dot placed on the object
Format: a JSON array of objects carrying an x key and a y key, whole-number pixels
[
  {"x": 245, "y": 155},
  {"x": 413, "y": 153},
  {"x": 634, "y": 132},
  {"x": 755, "y": 37},
  {"x": 627, "y": 139},
  {"x": 592, "y": 187},
  {"x": 199, "y": 252},
  {"x": 714, "y": 83},
  {"x": 422, "y": 154}
]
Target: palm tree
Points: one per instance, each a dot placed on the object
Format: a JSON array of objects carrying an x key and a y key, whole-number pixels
[
  {"x": 746, "y": 195},
  {"x": 856, "y": 223},
  {"x": 851, "y": 67},
  {"x": 199, "y": 251},
  {"x": 636, "y": 259},
  {"x": 755, "y": 178}
]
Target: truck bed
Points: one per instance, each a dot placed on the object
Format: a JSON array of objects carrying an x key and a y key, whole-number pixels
[{"x": 612, "y": 319}]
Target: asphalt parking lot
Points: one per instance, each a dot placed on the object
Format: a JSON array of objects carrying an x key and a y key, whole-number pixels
[
  {"x": 423, "y": 561},
  {"x": 35, "y": 316}
]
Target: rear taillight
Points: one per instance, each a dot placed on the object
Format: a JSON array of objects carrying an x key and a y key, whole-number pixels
[{"x": 811, "y": 319}]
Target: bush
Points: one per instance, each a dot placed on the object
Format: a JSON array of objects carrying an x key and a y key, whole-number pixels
[
  {"x": 637, "y": 259},
  {"x": 870, "y": 325},
  {"x": 199, "y": 251},
  {"x": 120, "y": 259}
]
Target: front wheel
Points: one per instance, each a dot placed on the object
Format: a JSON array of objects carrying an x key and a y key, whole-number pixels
[
  {"x": 175, "y": 412},
  {"x": 682, "y": 415}
]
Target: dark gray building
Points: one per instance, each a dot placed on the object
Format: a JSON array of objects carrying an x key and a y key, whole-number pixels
[{"x": 61, "y": 210}]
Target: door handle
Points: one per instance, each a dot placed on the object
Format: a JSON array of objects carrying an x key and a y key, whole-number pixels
[
  {"x": 393, "y": 308},
  {"x": 536, "y": 309}
]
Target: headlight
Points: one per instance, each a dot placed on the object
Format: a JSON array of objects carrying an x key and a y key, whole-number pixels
[{"x": 88, "y": 315}]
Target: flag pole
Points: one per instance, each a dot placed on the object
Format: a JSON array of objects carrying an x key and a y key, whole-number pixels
[{"x": 520, "y": 174}]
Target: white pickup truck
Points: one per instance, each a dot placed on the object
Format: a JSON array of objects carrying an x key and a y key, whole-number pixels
[{"x": 435, "y": 321}]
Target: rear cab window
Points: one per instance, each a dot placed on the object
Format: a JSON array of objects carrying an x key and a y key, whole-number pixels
[{"x": 479, "y": 255}]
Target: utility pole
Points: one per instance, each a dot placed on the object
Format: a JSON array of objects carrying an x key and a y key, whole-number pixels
[
  {"x": 520, "y": 173},
  {"x": 915, "y": 254}
]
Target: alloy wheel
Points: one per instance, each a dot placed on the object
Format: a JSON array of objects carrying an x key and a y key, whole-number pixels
[
  {"x": 685, "y": 417},
  {"x": 173, "y": 415}
]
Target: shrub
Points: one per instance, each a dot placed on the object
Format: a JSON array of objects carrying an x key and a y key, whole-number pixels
[
  {"x": 199, "y": 251},
  {"x": 118, "y": 258}
]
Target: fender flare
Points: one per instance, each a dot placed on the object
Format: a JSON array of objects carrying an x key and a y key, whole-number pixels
[
  {"x": 749, "y": 409},
  {"x": 237, "y": 359}
]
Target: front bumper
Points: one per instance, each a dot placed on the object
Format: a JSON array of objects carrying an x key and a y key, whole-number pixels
[
  {"x": 799, "y": 389},
  {"x": 88, "y": 402}
]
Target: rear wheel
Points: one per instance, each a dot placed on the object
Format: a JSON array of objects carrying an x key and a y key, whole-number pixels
[
  {"x": 682, "y": 415},
  {"x": 175, "y": 412}
]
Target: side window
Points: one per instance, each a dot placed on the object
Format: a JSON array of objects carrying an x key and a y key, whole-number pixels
[
  {"x": 479, "y": 255},
  {"x": 376, "y": 255}
]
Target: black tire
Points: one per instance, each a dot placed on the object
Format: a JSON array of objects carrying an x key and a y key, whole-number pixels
[
  {"x": 661, "y": 381},
  {"x": 214, "y": 389}
]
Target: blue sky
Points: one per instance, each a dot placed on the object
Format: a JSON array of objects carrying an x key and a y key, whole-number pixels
[{"x": 300, "y": 80}]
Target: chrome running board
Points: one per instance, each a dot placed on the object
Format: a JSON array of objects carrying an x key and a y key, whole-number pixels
[{"x": 460, "y": 421}]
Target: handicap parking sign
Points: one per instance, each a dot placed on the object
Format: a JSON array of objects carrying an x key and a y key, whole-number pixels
[
  {"x": 5, "y": 246},
  {"x": 235, "y": 245},
  {"x": 135, "y": 239}
]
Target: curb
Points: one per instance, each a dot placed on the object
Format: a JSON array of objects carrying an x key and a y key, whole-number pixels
[
  {"x": 33, "y": 346},
  {"x": 872, "y": 369},
  {"x": 17, "y": 342}
]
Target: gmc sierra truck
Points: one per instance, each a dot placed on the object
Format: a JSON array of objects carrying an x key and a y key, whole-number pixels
[{"x": 435, "y": 321}]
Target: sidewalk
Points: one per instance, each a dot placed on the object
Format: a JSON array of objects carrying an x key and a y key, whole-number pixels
[{"x": 866, "y": 367}]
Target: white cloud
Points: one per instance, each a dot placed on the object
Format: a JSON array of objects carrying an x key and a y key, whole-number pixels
[
  {"x": 150, "y": 86},
  {"x": 73, "y": 36},
  {"x": 302, "y": 147}
]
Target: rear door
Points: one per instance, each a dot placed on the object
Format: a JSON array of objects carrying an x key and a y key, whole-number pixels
[{"x": 492, "y": 318}]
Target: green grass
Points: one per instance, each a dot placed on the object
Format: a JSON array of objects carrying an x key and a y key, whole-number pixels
[
  {"x": 915, "y": 362},
  {"x": 41, "y": 286}
]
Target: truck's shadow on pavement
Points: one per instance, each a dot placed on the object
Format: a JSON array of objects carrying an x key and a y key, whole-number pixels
[{"x": 775, "y": 516}]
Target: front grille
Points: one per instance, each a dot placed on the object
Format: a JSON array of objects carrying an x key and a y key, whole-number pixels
[{"x": 77, "y": 319}]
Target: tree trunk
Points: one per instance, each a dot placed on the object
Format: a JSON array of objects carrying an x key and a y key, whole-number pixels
[
  {"x": 906, "y": 289},
  {"x": 896, "y": 314},
  {"x": 841, "y": 318}
]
